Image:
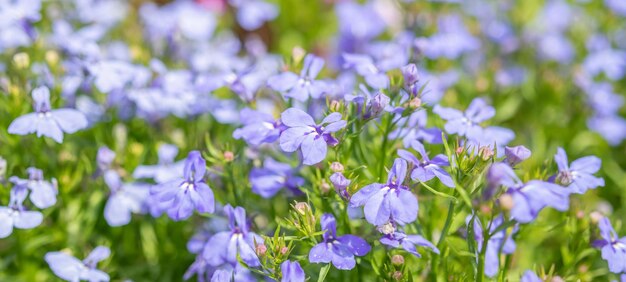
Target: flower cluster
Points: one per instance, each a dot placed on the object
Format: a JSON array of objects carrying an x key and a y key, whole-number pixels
[{"x": 398, "y": 140}]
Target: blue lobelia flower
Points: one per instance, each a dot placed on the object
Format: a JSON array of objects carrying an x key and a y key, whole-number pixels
[
  {"x": 181, "y": 196},
  {"x": 613, "y": 247},
  {"x": 311, "y": 138},
  {"x": 224, "y": 247},
  {"x": 369, "y": 105},
  {"x": 384, "y": 202},
  {"x": 124, "y": 200},
  {"x": 43, "y": 194},
  {"x": 70, "y": 268},
  {"x": 303, "y": 86},
  {"x": 47, "y": 122},
  {"x": 466, "y": 123},
  {"x": 497, "y": 243},
  {"x": 413, "y": 128},
  {"x": 272, "y": 177},
  {"x": 104, "y": 158},
  {"x": 15, "y": 215},
  {"x": 338, "y": 250},
  {"x": 398, "y": 239},
  {"x": 528, "y": 198},
  {"x": 291, "y": 272},
  {"x": 516, "y": 155},
  {"x": 258, "y": 127},
  {"x": 166, "y": 170},
  {"x": 579, "y": 175},
  {"x": 427, "y": 169},
  {"x": 251, "y": 14},
  {"x": 530, "y": 276}
]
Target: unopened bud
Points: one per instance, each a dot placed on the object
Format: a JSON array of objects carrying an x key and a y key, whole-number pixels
[
  {"x": 261, "y": 249},
  {"x": 21, "y": 60},
  {"x": 335, "y": 106},
  {"x": 506, "y": 202},
  {"x": 397, "y": 260},
  {"x": 297, "y": 54},
  {"x": 336, "y": 167},
  {"x": 409, "y": 72},
  {"x": 415, "y": 103},
  {"x": 324, "y": 187},
  {"x": 284, "y": 250},
  {"x": 557, "y": 279},
  {"x": 459, "y": 150},
  {"x": 52, "y": 57},
  {"x": 302, "y": 208},
  {"x": 580, "y": 214},
  {"x": 229, "y": 156},
  {"x": 397, "y": 275},
  {"x": 485, "y": 153},
  {"x": 596, "y": 216}
]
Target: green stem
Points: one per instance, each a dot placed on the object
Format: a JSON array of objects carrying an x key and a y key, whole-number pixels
[
  {"x": 481, "y": 258},
  {"x": 446, "y": 226}
]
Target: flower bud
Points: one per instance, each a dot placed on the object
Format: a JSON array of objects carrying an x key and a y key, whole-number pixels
[
  {"x": 335, "y": 106},
  {"x": 284, "y": 250},
  {"x": 485, "y": 153},
  {"x": 297, "y": 54},
  {"x": 595, "y": 216},
  {"x": 397, "y": 275},
  {"x": 515, "y": 155},
  {"x": 302, "y": 208},
  {"x": 378, "y": 104},
  {"x": 409, "y": 72},
  {"x": 336, "y": 167},
  {"x": 324, "y": 187},
  {"x": 261, "y": 249},
  {"x": 341, "y": 184},
  {"x": 21, "y": 60},
  {"x": 415, "y": 103},
  {"x": 397, "y": 260},
  {"x": 506, "y": 202},
  {"x": 229, "y": 156}
]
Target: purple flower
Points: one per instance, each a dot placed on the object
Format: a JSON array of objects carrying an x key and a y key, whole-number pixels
[
  {"x": 47, "y": 122},
  {"x": 181, "y": 196},
  {"x": 43, "y": 193},
  {"x": 124, "y": 200},
  {"x": 498, "y": 242},
  {"x": 70, "y": 268},
  {"x": 311, "y": 138},
  {"x": 410, "y": 74},
  {"x": 15, "y": 215},
  {"x": 466, "y": 123},
  {"x": 338, "y": 250},
  {"x": 398, "y": 239},
  {"x": 365, "y": 66},
  {"x": 258, "y": 127},
  {"x": 413, "y": 128},
  {"x": 452, "y": 40},
  {"x": 292, "y": 272},
  {"x": 251, "y": 14},
  {"x": 369, "y": 105},
  {"x": 530, "y": 276},
  {"x": 105, "y": 158},
  {"x": 579, "y": 175},
  {"x": 528, "y": 198},
  {"x": 267, "y": 181},
  {"x": 166, "y": 170},
  {"x": 613, "y": 247},
  {"x": 224, "y": 247},
  {"x": 426, "y": 169},
  {"x": 515, "y": 155},
  {"x": 389, "y": 201},
  {"x": 341, "y": 184},
  {"x": 303, "y": 86}
]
